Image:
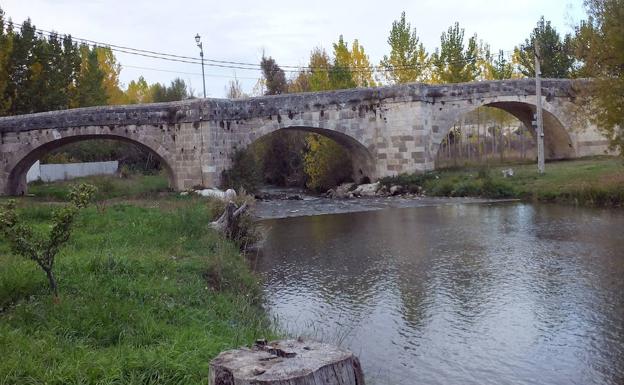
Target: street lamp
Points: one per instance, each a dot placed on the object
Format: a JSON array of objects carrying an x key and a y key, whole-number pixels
[
  {"x": 538, "y": 123},
  {"x": 201, "y": 54}
]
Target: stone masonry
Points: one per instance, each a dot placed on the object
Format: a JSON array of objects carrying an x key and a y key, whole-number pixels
[{"x": 387, "y": 130}]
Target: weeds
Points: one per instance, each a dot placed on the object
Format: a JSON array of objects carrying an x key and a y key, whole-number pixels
[
  {"x": 140, "y": 303},
  {"x": 42, "y": 250}
]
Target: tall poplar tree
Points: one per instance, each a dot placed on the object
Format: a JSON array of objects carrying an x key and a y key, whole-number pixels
[
  {"x": 320, "y": 66},
  {"x": 454, "y": 62},
  {"x": 90, "y": 89},
  {"x": 361, "y": 69},
  {"x": 408, "y": 59},
  {"x": 556, "y": 54},
  {"x": 20, "y": 68},
  {"x": 6, "y": 50},
  {"x": 340, "y": 75}
]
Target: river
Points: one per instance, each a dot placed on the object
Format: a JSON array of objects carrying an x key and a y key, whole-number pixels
[{"x": 454, "y": 292}]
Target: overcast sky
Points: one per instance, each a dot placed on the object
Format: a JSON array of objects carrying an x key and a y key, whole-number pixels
[{"x": 286, "y": 30}]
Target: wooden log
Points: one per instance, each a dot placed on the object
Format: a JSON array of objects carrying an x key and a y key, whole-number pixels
[
  {"x": 286, "y": 362},
  {"x": 228, "y": 222}
]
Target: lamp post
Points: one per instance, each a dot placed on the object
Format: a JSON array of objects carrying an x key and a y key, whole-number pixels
[
  {"x": 538, "y": 120},
  {"x": 201, "y": 54},
  {"x": 538, "y": 109}
]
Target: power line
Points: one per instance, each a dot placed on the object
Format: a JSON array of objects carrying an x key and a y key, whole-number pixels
[
  {"x": 187, "y": 73},
  {"x": 239, "y": 65}
]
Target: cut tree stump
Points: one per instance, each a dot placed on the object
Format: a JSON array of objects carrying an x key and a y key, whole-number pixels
[
  {"x": 227, "y": 223},
  {"x": 287, "y": 362}
]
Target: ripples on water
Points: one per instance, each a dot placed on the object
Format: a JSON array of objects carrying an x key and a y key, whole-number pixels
[{"x": 461, "y": 294}]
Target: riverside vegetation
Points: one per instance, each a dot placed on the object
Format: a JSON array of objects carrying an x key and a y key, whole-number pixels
[
  {"x": 595, "y": 181},
  {"x": 148, "y": 293}
]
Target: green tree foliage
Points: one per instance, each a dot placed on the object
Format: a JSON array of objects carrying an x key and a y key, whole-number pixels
[
  {"x": 111, "y": 68},
  {"x": 21, "y": 61},
  {"x": 246, "y": 172},
  {"x": 45, "y": 71},
  {"x": 135, "y": 158},
  {"x": 326, "y": 163},
  {"x": 90, "y": 90},
  {"x": 30, "y": 244},
  {"x": 300, "y": 83},
  {"x": 361, "y": 69},
  {"x": 556, "y": 54},
  {"x": 320, "y": 67},
  {"x": 453, "y": 62},
  {"x": 340, "y": 75},
  {"x": 275, "y": 79},
  {"x": 408, "y": 59},
  {"x": 349, "y": 68},
  {"x": 174, "y": 92},
  {"x": 138, "y": 91},
  {"x": 501, "y": 68},
  {"x": 6, "y": 50},
  {"x": 599, "y": 44},
  {"x": 281, "y": 154}
]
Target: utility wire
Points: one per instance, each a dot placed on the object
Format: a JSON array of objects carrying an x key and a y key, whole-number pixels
[
  {"x": 233, "y": 64},
  {"x": 187, "y": 73}
]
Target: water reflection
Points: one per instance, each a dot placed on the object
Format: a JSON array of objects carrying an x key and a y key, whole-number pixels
[{"x": 462, "y": 294}]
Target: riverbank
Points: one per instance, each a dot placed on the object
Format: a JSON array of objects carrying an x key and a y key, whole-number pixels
[
  {"x": 148, "y": 294},
  {"x": 596, "y": 181}
]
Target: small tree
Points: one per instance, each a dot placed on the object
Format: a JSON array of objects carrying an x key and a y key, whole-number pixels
[{"x": 26, "y": 242}]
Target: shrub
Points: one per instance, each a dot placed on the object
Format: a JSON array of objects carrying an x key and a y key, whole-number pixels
[
  {"x": 26, "y": 242},
  {"x": 466, "y": 188},
  {"x": 246, "y": 172},
  {"x": 497, "y": 189}
]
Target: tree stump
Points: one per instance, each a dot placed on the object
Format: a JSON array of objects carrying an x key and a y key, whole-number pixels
[
  {"x": 287, "y": 362},
  {"x": 227, "y": 224}
]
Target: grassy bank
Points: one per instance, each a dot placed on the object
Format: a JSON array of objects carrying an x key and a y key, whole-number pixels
[
  {"x": 109, "y": 186},
  {"x": 595, "y": 181},
  {"x": 148, "y": 296}
]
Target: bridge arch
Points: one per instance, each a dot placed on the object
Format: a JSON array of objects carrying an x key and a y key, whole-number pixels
[
  {"x": 558, "y": 141},
  {"x": 362, "y": 157},
  {"x": 19, "y": 163}
]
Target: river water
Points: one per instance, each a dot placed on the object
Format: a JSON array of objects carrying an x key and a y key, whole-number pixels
[{"x": 456, "y": 292}]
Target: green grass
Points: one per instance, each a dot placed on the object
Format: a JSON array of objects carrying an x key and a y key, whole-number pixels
[
  {"x": 148, "y": 296},
  {"x": 136, "y": 186},
  {"x": 597, "y": 181}
]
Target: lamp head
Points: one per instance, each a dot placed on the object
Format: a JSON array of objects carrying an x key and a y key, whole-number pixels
[{"x": 197, "y": 38}]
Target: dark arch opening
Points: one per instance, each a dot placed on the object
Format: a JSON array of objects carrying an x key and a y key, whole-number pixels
[
  {"x": 357, "y": 163},
  {"x": 557, "y": 142},
  {"x": 17, "y": 184},
  {"x": 362, "y": 159}
]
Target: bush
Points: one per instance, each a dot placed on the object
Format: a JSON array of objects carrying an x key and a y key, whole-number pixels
[
  {"x": 444, "y": 189},
  {"x": 497, "y": 189},
  {"x": 466, "y": 188},
  {"x": 245, "y": 173},
  {"x": 31, "y": 245},
  {"x": 413, "y": 183}
]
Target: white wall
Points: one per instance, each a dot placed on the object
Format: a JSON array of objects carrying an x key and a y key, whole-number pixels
[
  {"x": 34, "y": 173},
  {"x": 54, "y": 172}
]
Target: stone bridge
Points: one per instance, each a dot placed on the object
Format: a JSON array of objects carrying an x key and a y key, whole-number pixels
[{"x": 387, "y": 130}]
